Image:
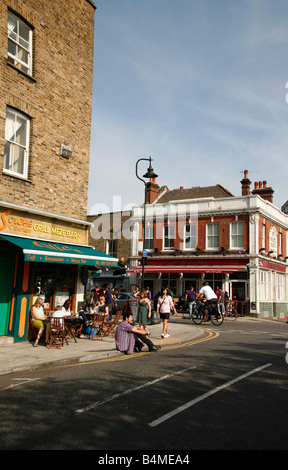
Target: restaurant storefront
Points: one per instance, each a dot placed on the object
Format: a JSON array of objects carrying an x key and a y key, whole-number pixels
[{"x": 43, "y": 255}]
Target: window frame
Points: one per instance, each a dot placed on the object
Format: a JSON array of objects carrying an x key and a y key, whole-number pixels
[
  {"x": 149, "y": 237},
  {"x": 279, "y": 286},
  {"x": 9, "y": 142},
  {"x": 170, "y": 246},
  {"x": 187, "y": 246},
  {"x": 111, "y": 248},
  {"x": 263, "y": 285},
  {"x": 237, "y": 235},
  {"x": 212, "y": 236},
  {"x": 13, "y": 59}
]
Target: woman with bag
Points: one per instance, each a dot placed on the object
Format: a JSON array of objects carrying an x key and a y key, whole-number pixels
[
  {"x": 164, "y": 305},
  {"x": 144, "y": 309}
]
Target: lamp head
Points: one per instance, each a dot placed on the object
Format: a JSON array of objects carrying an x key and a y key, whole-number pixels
[{"x": 150, "y": 172}]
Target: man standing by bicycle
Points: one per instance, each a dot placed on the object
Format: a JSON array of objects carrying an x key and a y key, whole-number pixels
[
  {"x": 210, "y": 297},
  {"x": 190, "y": 297}
]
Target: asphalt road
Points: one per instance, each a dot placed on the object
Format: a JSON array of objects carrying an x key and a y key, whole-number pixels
[{"x": 227, "y": 391}]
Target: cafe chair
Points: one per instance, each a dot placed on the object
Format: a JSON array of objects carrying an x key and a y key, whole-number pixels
[
  {"x": 108, "y": 328},
  {"x": 56, "y": 333}
]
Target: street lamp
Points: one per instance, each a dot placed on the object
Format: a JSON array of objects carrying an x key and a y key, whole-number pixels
[{"x": 151, "y": 175}]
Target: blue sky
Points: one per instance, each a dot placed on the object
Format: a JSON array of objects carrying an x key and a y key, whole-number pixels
[{"x": 198, "y": 85}]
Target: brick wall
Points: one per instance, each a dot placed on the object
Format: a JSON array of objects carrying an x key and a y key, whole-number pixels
[
  {"x": 224, "y": 232},
  {"x": 113, "y": 226},
  {"x": 268, "y": 226},
  {"x": 58, "y": 99}
]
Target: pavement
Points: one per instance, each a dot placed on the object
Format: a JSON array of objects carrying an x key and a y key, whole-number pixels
[{"x": 17, "y": 357}]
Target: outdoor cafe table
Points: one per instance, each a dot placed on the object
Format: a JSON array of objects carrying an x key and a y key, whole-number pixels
[
  {"x": 98, "y": 319},
  {"x": 70, "y": 323}
]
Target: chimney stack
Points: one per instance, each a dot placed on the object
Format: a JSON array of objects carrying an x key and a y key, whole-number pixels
[
  {"x": 245, "y": 184},
  {"x": 261, "y": 189},
  {"x": 152, "y": 190}
]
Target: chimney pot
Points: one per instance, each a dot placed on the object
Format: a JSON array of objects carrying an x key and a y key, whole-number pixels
[{"x": 245, "y": 184}]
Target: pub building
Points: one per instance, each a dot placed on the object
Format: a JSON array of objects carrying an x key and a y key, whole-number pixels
[
  {"x": 202, "y": 234},
  {"x": 44, "y": 255}
]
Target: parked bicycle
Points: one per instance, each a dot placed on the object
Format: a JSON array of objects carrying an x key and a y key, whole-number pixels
[
  {"x": 214, "y": 314},
  {"x": 231, "y": 310}
]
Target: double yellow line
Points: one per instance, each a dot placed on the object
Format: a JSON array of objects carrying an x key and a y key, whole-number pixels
[{"x": 210, "y": 335}]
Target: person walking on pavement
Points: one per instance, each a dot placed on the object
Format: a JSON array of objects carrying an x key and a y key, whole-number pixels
[{"x": 164, "y": 306}]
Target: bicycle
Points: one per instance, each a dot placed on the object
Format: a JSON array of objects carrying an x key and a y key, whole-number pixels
[
  {"x": 214, "y": 315},
  {"x": 231, "y": 311}
]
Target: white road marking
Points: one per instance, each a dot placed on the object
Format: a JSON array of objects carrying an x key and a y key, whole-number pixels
[
  {"x": 169, "y": 415},
  {"x": 25, "y": 381},
  {"x": 130, "y": 390}
]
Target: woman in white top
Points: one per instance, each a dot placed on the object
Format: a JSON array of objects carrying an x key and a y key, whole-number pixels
[
  {"x": 38, "y": 318},
  {"x": 164, "y": 305},
  {"x": 67, "y": 307}
]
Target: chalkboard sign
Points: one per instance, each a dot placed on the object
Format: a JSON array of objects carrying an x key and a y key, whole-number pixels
[{"x": 132, "y": 307}]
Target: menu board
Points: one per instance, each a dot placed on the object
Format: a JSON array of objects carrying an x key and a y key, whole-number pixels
[
  {"x": 60, "y": 298},
  {"x": 132, "y": 307}
]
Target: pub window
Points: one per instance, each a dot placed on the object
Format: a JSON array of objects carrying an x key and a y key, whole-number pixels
[
  {"x": 19, "y": 44},
  {"x": 279, "y": 286},
  {"x": 280, "y": 243},
  {"x": 212, "y": 236},
  {"x": 16, "y": 147},
  {"x": 263, "y": 239},
  {"x": 149, "y": 237},
  {"x": 190, "y": 237},
  {"x": 237, "y": 235},
  {"x": 169, "y": 235},
  {"x": 263, "y": 285}
]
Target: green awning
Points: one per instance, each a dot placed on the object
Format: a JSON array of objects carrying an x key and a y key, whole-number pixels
[{"x": 45, "y": 251}]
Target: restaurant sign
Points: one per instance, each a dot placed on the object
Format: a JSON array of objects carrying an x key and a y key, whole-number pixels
[
  {"x": 50, "y": 252},
  {"x": 17, "y": 223}
]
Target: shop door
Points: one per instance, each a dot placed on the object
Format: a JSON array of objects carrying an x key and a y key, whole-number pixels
[{"x": 6, "y": 279}]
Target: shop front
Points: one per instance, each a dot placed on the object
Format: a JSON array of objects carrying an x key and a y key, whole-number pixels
[
  {"x": 41, "y": 255},
  {"x": 181, "y": 274}
]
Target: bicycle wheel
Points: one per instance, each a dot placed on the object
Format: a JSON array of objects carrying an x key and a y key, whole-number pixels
[
  {"x": 216, "y": 317},
  {"x": 197, "y": 317},
  {"x": 231, "y": 313}
]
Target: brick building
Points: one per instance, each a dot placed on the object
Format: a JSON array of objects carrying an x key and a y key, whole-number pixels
[
  {"x": 46, "y": 71},
  {"x": 206, "y": 233},
  {"x": 111, "y": 234}
]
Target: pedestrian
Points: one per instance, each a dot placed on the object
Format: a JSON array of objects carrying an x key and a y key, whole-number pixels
[
  {"x": 190, "y": 296},
  {"x": 221, "y": 297},
  {"x": 130, "y": 339},
  {"x": 109, "y": 299},
  {"x": 164, "y": 306},
  {"x": 144, "y": 309}
]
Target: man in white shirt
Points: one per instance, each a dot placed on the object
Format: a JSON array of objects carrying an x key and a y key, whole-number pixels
[{"x": 210, "y": 296}]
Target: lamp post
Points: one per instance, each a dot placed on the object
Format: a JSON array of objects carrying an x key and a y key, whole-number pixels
[{"x": 151, "y": 175}]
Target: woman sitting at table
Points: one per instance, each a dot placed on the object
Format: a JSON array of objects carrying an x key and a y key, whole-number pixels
[
  {"x": 39, "y": 319},
  {"x": 67, "y": 307},
  {"x": 103, "y": 307}
]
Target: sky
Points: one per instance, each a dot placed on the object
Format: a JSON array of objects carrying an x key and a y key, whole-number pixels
[{"x": 201, "y": 86}]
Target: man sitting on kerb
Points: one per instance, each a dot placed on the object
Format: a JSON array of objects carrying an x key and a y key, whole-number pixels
[{"x": 128, "y": 337}]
